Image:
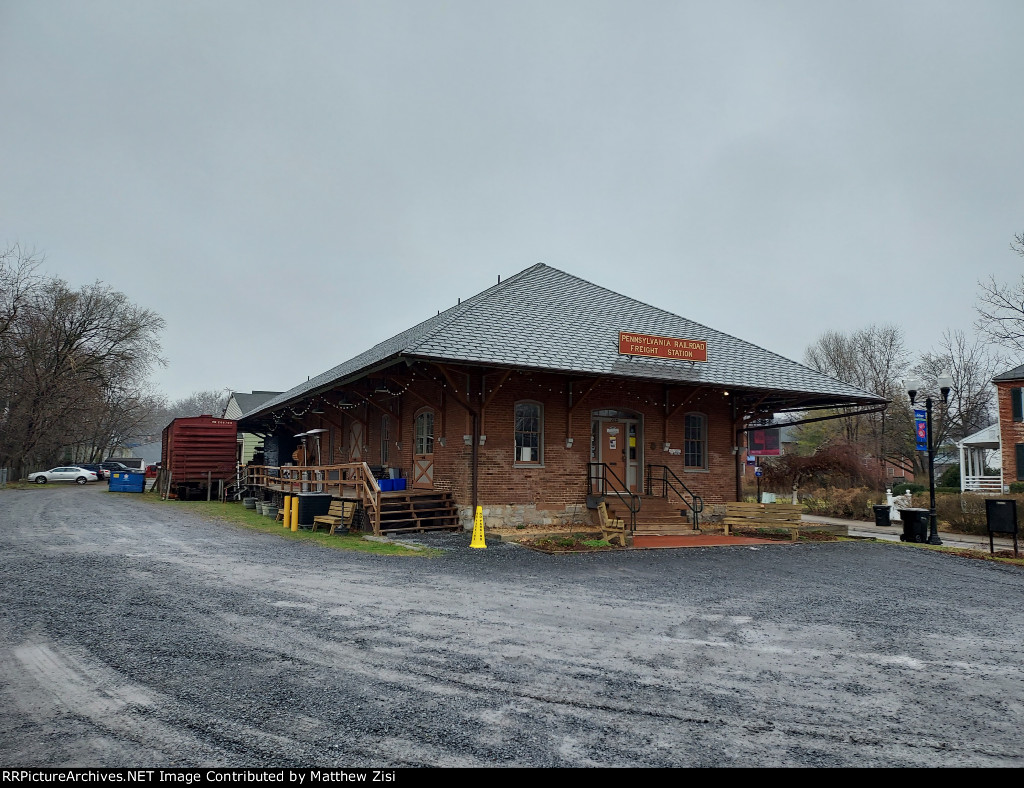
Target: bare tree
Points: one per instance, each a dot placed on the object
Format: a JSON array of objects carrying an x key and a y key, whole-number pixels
[
  {"x": 1001, "y": 308},
  {"x": 17, "y": 278},
  {"x": 198, "y": 403},
  {"x": 72, "y": 355},
  {"x": 971, "y": 365},
  {"x": 873, "y": 359}
]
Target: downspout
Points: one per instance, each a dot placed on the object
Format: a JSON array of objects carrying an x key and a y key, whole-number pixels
[
  {"x": 475, "y": 462},
  {"x": 736, "y": 453}
]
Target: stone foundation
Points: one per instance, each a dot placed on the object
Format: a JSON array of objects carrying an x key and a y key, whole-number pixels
[{"x": 509, "y": 516}]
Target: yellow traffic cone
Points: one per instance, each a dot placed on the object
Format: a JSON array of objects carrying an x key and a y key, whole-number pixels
[{"x": 478, "y": 529}]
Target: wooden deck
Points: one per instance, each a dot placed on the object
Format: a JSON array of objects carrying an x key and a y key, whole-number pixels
[
  {"x": 389, "y": 511},
  {"x": 345, "y": 493}
]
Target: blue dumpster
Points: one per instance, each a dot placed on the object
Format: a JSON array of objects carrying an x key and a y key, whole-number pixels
[{"x": 126, "y": 481}]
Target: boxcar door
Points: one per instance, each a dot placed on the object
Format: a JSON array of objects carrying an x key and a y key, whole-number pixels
[{"x": 423, "y": 451}]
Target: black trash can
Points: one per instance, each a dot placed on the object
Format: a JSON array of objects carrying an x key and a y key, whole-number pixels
[
  {"x": 915, "y": 525},
  {"x": 312, "y": 505},
  {"x": 882, "y": 515}
]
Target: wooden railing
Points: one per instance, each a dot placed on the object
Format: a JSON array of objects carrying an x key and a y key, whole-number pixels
[
  {"x": 349, "y": 481},
  {"x": 983, "y": 483}
]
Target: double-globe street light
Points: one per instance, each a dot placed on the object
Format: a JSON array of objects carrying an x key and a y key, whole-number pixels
[{"x": 945, "y": 383}]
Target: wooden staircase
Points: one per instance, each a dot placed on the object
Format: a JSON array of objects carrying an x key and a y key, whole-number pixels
[
  {"x": 657, "y": 516},
  {"x": 417, "y": 510}
]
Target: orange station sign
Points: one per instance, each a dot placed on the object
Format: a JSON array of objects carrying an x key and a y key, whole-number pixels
[{"x": 631, "y": 344}]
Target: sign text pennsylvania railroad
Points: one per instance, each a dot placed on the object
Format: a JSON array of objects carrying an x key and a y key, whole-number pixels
[{"x": 662, "y": 347}]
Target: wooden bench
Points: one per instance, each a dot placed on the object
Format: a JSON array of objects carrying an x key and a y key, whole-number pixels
[
  {"x": 612, "y": 529},
  {"x": 339, "y": 513},
  {"x": 785, "y": 516}
]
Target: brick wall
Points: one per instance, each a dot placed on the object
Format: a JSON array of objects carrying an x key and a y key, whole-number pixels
[
  {"x": 1010, "y": 432},
  {"x": 556, "y": 490}
]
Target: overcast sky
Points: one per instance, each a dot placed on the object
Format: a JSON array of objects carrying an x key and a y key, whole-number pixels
[{"x": 290, "y": 183}]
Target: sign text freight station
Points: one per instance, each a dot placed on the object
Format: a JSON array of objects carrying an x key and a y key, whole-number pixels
[{"x": 662, "y": 347}]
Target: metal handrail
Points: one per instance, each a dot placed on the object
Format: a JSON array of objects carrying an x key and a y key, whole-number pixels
[
  {"x": 696, "y": 504},
  {"x": 630, "y": 500}
]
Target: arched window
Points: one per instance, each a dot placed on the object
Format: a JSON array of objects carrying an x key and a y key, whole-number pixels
[
  {"x": 529, "y": 433},
  {"x": 695, "y": 443},
  {"x": 425, "y": 432}
]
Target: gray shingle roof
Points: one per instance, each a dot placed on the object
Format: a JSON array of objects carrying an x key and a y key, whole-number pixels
[
  {"x": 1017, "y": 373},
  {"x": 251, "y": 401},
  {"x": 543, "y": 318}
]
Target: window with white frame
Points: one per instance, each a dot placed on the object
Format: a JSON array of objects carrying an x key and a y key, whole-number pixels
[
  {"x": 425, "y": 432},
  {"x": 695, "y": 442},
  {"x": 529, "y": 433}
]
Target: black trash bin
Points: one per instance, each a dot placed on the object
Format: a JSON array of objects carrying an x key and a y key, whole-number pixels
[
  {"x": 312, "y": 505},
  {"x": 915, "y": 525},
  {"x": 882, "y": 515}
]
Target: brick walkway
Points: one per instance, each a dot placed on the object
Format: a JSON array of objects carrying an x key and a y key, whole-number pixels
[{"x": 703, "y": 540}]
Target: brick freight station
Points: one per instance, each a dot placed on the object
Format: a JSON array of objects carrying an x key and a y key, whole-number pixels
[{"x": 531, "y": 396}]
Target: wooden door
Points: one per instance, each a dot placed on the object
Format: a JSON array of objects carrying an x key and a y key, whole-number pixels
[
  {"x": 423, "y": 451},
  {"x": 355, "y": 441},
  {"x": 613, "y": 451}
]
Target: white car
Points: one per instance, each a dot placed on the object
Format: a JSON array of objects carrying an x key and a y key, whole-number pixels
[{"x": 66, "y": 473}]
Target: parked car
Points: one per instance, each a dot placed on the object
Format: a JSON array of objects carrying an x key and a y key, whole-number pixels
[
  {"x": 96, "y": 468},
  {"x": 110, "y": 465},
  {"x": 65, "y": 473}
]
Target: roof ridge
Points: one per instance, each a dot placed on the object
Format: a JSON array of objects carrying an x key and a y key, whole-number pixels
[
  {"x": 702, "y": 325},
  {"x": 470, "y": 304}
]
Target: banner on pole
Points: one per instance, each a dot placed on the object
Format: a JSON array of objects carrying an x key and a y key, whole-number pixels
[{"x": 921, "y": 429}]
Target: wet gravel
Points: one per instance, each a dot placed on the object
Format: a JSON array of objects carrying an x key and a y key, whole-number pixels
[{"x": 136, "y": 633}]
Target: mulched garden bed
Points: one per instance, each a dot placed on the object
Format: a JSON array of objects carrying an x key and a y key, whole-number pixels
[{"x": 570, "y": 543}]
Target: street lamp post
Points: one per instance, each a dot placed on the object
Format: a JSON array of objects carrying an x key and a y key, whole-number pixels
[{"x": 945, "y": 383}]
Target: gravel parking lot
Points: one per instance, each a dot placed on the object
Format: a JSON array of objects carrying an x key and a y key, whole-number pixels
[{"x": 135, "y": 633}]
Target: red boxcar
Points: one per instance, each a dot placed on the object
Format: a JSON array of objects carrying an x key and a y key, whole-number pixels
[{"x": 195, "y": 449}]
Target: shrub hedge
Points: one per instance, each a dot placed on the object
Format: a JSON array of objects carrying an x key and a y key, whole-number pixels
[{"x": 956, "y": 512}]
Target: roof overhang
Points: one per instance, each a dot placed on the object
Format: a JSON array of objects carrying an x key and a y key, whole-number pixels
[{"x": 768, "y": 400}]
